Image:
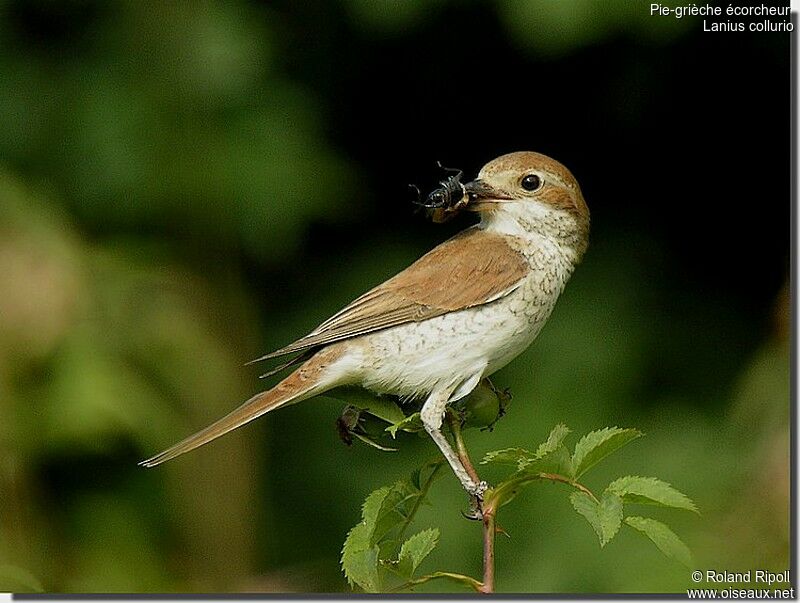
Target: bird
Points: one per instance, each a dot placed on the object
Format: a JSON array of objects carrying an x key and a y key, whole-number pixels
[{"x": 462, "y": 311}]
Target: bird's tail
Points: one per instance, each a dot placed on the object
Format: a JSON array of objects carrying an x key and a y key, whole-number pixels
[{"x": 312, "y": 378}]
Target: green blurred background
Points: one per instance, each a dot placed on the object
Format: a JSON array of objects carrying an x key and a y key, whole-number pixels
[{"x": 187, "y": 185}]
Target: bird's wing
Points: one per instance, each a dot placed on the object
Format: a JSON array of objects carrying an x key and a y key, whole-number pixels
[{"x": 471, "y": 269}]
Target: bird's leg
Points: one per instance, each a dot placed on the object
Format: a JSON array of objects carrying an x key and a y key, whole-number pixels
[
  {"x": 475, "y": 502},
  {"x": 432, "y": 414}
]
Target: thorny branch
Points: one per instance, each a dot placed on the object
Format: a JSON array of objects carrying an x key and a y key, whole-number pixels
[{"x": 489, "y": 512}]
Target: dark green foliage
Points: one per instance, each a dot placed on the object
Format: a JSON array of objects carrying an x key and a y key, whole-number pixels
[
  {"x": 375, "y": 552},
  {"x": 371, "y": 554},
  {"x": 604, "y": 513}
]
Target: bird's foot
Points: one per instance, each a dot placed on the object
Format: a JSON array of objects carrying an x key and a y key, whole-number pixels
[
  {"x": 475, "y": 512},
  {"x": 478, "y": 489}
]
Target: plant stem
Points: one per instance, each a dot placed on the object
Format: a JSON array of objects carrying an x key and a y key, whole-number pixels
[
  {"x": 488, "y": 512},
  {"x": 489, "y": 531},
  {"x": 468, "y": 580},
  {"x": 423, "y": 493},
  {"x": 565, "y": 480}
]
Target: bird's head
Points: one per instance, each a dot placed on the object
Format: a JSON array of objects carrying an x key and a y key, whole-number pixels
[{"x": 531, "y": 193}]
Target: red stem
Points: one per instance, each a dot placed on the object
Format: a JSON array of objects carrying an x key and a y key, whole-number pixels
[{"x": 489, "y": 531}]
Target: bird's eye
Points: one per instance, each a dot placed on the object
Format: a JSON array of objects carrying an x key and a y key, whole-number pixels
[{"x": 531, "y": 182}]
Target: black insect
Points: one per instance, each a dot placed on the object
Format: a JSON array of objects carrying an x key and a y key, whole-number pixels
[
  {"x": 450, "y": 194},
  {"x": 444, "y": 202}
]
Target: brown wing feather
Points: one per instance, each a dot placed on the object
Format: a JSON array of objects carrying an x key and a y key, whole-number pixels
[{"x": 473, "y": 268}]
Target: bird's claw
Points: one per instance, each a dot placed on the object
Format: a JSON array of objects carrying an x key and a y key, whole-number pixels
[
  {"x": 478, "y": 490},
  {"x": 475, "y": 512}
]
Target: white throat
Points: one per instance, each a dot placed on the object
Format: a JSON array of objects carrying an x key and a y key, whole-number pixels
[{"x": 535, "y": 222}]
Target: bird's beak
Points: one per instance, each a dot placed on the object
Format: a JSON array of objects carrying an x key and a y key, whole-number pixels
[{"x": 483, "y": 195}]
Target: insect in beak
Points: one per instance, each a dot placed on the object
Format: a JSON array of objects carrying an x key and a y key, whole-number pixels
[{"x": 444, "y": 202}]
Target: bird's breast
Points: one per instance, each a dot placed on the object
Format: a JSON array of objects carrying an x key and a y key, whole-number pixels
[{"x": 414, "y": 358}]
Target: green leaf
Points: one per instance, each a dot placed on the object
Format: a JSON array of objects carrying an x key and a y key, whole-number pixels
[
  {"x": 554, "y": 440},
  {"x": 361, "y": 565},
  {"x": 384, "y": 517},
  {"x": 411, "y": 423},
  {"x": 558, "y": 462},
  {"x": 524, "y": 458},
  {"x": 605, "y": 517},
  {"x": 414, "y": 551},
  {"x": 394, "y": 511},
  {"x": 552, "y": 456},
  {"x": 508, "y": 456},
  {"x": 665, "y": 539},
  {"x": 372, "y": 506},
  {"x": 506, "y": 490},
  {"x": 650, "y": 491},
  {"x": 597, "y": 445},
  {"x": 360, "y": 552},
  {"x": 422, "y": 477}
]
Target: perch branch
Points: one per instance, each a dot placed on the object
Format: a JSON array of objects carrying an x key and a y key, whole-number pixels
[
  {"x": 489, "y": 531},
  {"x": 488, "y": 512}
]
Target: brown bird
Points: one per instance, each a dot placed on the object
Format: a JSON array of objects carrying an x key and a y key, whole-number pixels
[{"x": 456, "y": 315}]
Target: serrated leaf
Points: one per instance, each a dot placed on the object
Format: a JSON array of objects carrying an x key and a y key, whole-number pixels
[
  {"x": 605, "y": 517},
  {"x": 411, "y": 423},
  {"x": 372, "y": 506},
  {"x": 360, "y": 566},
  {"x": 506, "y": 490},
  {"x": 525, "y": 458},
  {"x": 384, "y": 516},
  {"x": 508, "y": 456},
  {"x": 650, "y": 491},
  {"x": 665, "y": 539},
  {"x": 597, "y": 445},
  {"x": 554, "y": 440},
  {"x": 394, "y": 511},
  {"x": 414, "y": 551},
  {"x": 360, "y": 553},
  {"x": 559, "y": 462}
]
